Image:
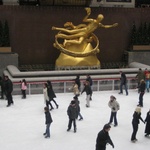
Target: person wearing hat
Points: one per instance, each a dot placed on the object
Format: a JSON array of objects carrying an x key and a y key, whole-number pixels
[
  {"x": 135, "y": 122},
  {"x": 72, "y": 113},
  {"x": 114, "y": 105},
  {"x": 103, "y": 138}
]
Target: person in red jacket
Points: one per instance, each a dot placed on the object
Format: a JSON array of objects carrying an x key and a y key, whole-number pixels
[{"x": 147, "y": 79}]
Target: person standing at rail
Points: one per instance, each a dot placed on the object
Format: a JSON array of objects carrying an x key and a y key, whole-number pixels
[
  {"x": 8, "y": 85},
  {"x": 123, "y": 82}
]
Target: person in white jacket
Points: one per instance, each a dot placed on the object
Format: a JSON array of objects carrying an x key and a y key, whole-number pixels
[
  {"x": 46, "y": 98},
  {"x": 114, "y": 105}
]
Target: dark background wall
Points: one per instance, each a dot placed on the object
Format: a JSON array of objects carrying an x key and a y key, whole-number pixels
[{"x": 32, "y": 38}]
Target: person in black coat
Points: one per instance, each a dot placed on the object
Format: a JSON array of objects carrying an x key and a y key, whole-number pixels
[
  {"x": 123, "y": 82},
  {"x": 103, "y": 138},
  {"x": 72, "y": 113},
  {"x": 135, "y": 122},
  {"x": 8, "y": 85},
  {"x": 48, "y": 121},
  {"x": 87, "y": 89},
  {"x": 142, "y": 88},
  {"x": 51, "y": 94},
  {"x": 147, "y": 127},
  {"x": 89, "y": 79}
]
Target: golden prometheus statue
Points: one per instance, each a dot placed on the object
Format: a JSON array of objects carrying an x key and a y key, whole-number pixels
[{"x": 78, "y": 44}]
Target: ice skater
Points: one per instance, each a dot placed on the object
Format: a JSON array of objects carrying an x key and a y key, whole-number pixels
[
  {"x": 48, "y": 121},
  {"x": 114, "y": 105},
  {"x": 147, "y": 127},
  {"x": 51, "y": 94},
  {"x": 78, "y": 107},
  {"x": 135, "y": 122},
  {"x": 72, "y": 113},
  {"x": 103, "y": 138},
  {"x": 46, "y": 98},
  {"x": 142, "y": 88}
]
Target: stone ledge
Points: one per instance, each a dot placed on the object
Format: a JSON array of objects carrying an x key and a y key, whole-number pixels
[{"x": 141, "y": 47}]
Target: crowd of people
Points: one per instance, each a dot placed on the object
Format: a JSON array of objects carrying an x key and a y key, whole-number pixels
[{"x": 74, "y": 109}]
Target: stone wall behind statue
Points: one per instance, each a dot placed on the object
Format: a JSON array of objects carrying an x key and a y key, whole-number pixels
[{"x": 32, "y": 39}]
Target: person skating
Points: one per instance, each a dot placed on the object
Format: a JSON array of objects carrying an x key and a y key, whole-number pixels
[
  {"x": 46, "y": 98},
  {"x": 8, "y": 85},
  {"x": 77, "y": 81},
  {"x": 147, "y": 121},
  {"x": 75, "y": 89},
  {"x": 135, "y": 122},
  {"x": 103, "y": 138},
  {"x": 48, "y": 121},
  {"x": 72, "y": 113},
  {"x": 142, "y": 88},
  {"x": 87, "y": 89},
  {"x": 51, "y": 94},
  {"x": 114, "y": 105},
  {"x": 23, "y": 88},
  {"x": 78, "y": 107},
  {"x": 89, "y": 79},
  {"x": 147, "y": 79}
]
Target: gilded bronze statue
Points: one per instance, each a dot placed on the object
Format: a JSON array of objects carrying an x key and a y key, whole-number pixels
[{"x": 80, "y": 45}]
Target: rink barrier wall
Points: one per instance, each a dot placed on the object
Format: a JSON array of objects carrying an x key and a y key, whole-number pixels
[{"x": 103, "y": 79}]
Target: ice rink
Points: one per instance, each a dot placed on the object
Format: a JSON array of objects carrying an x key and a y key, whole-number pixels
[{"x": 23, "y": 124}]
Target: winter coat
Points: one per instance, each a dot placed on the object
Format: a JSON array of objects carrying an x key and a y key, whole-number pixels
[
  {"x": 147, "y": 74},
  {"x": 142, "y": 87},
  {"x": 46, "y": 98},
  {"x": 23, "y": 86},
  {"x": 147, "y": 120},
  {"x": 89, "y": 79},
  {"x": 8, "y": 85},
  {"x": 76, "y": 89},
  {"x": 123, "y": 79},
  {"x": 114, "y": 105},
  {"x": 87, "y": 89},
  {"x": 136, "y": 118},
  {"x": 50, "y": 92},
  {"x": 48, "y": 118},
  {"x": 72, "y": 111},
  {"x": 77, "y": 81},
  {"x": 102, "y": 139},
  {"x": 140, "y": 75}
]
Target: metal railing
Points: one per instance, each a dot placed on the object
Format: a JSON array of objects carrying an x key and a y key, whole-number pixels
[{"x": 63, "y": 86}]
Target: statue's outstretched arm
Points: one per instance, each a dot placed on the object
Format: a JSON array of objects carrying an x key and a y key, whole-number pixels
[{"x": 108, "y": 26}]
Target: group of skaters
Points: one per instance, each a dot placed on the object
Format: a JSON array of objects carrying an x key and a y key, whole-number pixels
[
  {"x": 74, "y": 111},
  {"x": 7, "y": 89}
]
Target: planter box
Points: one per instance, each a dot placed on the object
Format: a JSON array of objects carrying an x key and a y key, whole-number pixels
[
  {"x": 5, "y": 49},
  {"x": 141, "y": 47}
]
